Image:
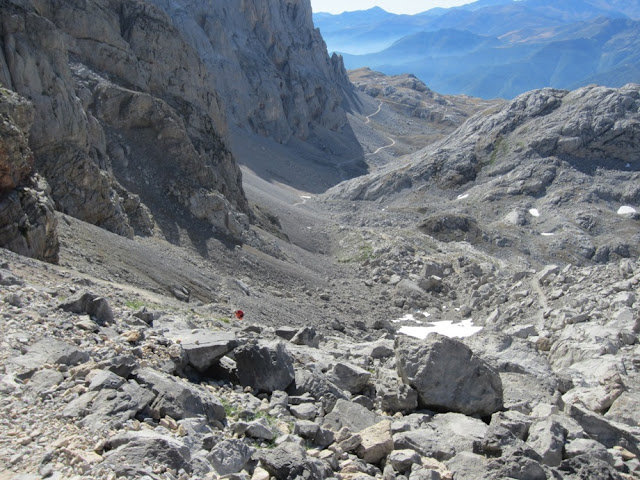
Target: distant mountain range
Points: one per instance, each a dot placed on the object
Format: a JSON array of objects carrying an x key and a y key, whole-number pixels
[{"x": 495, "y": 48}]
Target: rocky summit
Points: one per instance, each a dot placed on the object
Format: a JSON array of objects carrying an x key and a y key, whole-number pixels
[{"x": 431, "y": 286}]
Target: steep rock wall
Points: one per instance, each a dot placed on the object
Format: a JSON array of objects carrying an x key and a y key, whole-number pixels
[
  {"x": 269, "y": 63},
  {"x": 127, "y": 120},
  {"x": 27, "y": 220}
]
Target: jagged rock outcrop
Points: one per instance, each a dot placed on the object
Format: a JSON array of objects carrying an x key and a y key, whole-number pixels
[
  {"x": 127, "y": 120},
  {"x": 268, "y": 62},
  {"x": 27, "y": 219}
]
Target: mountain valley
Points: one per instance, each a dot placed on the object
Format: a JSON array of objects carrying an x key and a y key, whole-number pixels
[{"x": 166, "y": 164}]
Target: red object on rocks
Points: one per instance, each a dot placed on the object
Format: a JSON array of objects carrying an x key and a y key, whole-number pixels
[{"x": 239, "y": 314}]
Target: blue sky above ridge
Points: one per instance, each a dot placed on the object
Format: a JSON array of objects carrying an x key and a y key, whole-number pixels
[{"x": 394, "y": 6}]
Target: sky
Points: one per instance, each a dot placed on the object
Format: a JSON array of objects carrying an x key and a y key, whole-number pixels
[{"x": 394, "y": 6}]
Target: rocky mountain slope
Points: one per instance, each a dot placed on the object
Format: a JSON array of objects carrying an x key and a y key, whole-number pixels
[
  {"x": 546, "y": 176},
  {"x": 130, "y": 131},
  {"x": 422, "y": 116},
  {"x": 268, "y": 63}
]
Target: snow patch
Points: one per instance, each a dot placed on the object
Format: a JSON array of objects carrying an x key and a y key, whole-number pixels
[
  {"x": 624, "y": 210},
  {"x": 547, "y": 234},
  {"x": 461, "y": 329},
  {"x": 534, "y": 212},
  {"x": 462, "y": 197}
]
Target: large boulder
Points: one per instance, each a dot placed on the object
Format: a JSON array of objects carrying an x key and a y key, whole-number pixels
[
  {"x": 448, "y": 376},
  {"x": 93, "y": 305},
  {"x": 177, "y": 398},
  {"x": 349, "y": 377},
  {"x": 230, "y": 456},
  {"x": 48, "y": 351},
  {"x": 264, "y": 366},
  {"x": 444, "y": 437},
  {"x": 133, "y": 450},
  {"x": 204, "y": 349},
  {"x": 351, "y": 415},
  {"x": 109, "y": 405},
  {"x": 289, "y": 461},
  {"x": 376, "y": 443}
]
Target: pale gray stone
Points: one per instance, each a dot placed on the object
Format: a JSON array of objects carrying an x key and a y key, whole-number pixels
[{"x": 448, "y": 376}]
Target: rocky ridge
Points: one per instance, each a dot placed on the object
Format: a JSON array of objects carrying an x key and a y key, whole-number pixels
[
  {"x": 424, "y": 116},
  {"x": 543, "y": 176}
]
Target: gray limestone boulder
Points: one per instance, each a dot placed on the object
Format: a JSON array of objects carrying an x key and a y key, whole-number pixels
[
  {"x": 350, "y": 415},
  {"x": 445, "y": 436},
  {"x": 93, "y": 305},
  {"x": 402, "y": 460},
  {"x": 109, "y": 408},
  {"x": 608, "y": 433},
  {"x": 306, "y": 336},
  {"x": 468, "y": 466},
  {"x": 51, "y": 351},
  {"x": 204, "y": 349},
  {"x": 625, "y": 409},
  {"x": 43, "y": 381},
  {"x": 178, "y": 398},
  {"x": 349, "y": 377},
  {"x": 305, "y": 411},
  {"x": 315, "y": 384},
  {"x": 448, "y": 376},
  {"x": 264, "y": 366},
  {"x": 230, "y": 456},
  {"x": 289, "y": 461},
  {"x": 547, "y": 437},
  {"x": 135, "y": 449},
  {"x": 586, "y": 446},
  {"x": 394, "y": 397}
]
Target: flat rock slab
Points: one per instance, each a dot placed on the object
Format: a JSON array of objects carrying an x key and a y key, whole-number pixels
[
  {"x": 48, "y": 351},
  {"x": 351, "y": 415},
  {"x": 177, "y": 398},
  {"x": 134, "y": 449},
  {"x": 204, "y": 349}
]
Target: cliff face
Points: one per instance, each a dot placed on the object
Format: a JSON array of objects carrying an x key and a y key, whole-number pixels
[
  {"x": 268, "y": 62},
  {"x": 131, "y": 100},
  {"x": 28, "y": 221},
  {"x": 127, "y": 120}
]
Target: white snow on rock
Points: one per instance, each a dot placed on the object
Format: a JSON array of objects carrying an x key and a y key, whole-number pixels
[
  {"x": 534, "y": 212},
  {"x": 462, "y": 197},
  {"x": 464, "y": 328},
  {"x": 624, "y": 210},
  {"x": 547, "y": 234},
  {"x": 410, "y": 317}
]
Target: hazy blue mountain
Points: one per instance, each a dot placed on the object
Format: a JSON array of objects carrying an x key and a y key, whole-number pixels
[{"x": 499, "y": 48}]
